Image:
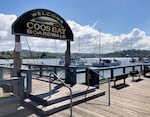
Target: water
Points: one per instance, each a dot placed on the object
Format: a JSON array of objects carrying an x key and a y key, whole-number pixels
[
  {"x": 124, "y": 61},
  {"x": 80, "y": 77},
  {"x": 53, "y": 61}
]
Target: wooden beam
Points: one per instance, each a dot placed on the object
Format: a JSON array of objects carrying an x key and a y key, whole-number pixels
[{"x": 17, "y": 59}]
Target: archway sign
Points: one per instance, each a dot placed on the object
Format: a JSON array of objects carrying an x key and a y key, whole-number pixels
[{"x": 40, "y": 23}]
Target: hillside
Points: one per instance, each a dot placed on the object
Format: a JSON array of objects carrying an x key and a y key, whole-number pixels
[{"x": 33, "y": 54}]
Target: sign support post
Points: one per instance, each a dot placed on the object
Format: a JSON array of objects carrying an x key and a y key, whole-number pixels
[
  {"x": 17, "y": 59},
  {"x": 67, "y": 63}
]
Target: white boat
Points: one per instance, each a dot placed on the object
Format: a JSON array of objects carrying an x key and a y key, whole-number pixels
[
  {"x": 106, "y": 63},
  {"x": 75, "y": 61}
]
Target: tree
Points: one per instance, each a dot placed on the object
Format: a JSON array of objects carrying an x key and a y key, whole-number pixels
[{"x": 43, "y": 54}]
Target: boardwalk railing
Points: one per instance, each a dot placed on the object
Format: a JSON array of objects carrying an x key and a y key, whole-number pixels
[
  {"x": 39, "y": 69},
  {"x": 16, "y": 83},
  {"x": 107, "y": 72},
  {"x": 104, "y": 72},
  {"x": 26, "y": 78}
]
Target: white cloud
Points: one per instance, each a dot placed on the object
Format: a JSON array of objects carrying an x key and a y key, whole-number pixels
[
  {"x": 86, "y": 39},
  {"x": 90, "y": 39},
  {"x": 3, "y": 34},
  {"x": 6, "y": 38}
]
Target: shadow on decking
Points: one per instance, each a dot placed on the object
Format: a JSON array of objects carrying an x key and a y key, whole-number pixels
[
  {"x": 53, "y": 91},
  {"x": 120, "y": 86},
  {"x": 24, "y": 112},
  {"x": 137, "y": 80}
]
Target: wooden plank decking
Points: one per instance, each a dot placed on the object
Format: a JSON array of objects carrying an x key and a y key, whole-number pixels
[{"x": 130, "y": 101}]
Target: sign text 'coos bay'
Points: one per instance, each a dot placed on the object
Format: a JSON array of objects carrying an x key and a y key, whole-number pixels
[{"x": 43, "y": 29}]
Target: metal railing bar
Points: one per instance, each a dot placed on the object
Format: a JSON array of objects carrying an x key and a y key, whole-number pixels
[{"x": 52, "y": 74}]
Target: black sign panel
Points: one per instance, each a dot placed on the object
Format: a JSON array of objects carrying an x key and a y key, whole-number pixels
[{"x": 42, "y": 23}]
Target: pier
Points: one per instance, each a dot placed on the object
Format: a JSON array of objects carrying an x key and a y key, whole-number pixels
[{"x": 43, "y": 95}]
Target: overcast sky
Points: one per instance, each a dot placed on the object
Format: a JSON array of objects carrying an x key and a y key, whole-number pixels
[{"x": 111, "y": 24}]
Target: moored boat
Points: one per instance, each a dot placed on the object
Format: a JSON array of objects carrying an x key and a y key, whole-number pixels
[
  {"x": 106, "y": 63},
  {"x": 140, "y": 60},
  {"x": 75, "y": 61}
]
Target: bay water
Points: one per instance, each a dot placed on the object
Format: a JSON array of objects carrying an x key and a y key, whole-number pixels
[{"x": 81, "y": 76}]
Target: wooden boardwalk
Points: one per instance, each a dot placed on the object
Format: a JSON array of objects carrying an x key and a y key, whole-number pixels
[{"x": 130, "y": 101}]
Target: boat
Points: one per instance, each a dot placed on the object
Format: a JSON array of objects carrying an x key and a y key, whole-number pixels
[
  {"x": 75, "y": 61},
  {"x": 139, "y": 60},
  {"x": 106, "y": 63}
]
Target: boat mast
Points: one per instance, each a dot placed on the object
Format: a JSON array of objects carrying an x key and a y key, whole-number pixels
[
  {"x": 79, "y": 47},
  {"x": 99, "y": 43},
  {"x": 113, "y": 48}
]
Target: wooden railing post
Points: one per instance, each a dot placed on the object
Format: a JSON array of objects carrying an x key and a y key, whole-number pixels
[
  {"x": 41, "y": 71},
  {"x": 124, "y": 70},
  {"x": 55, "y": 70},
  {"x": 21, "y": 87},
  {"x": 112, "y": 73},
  {"x": 29, "y": 82},
  {"x": 141, "y": 68},
  {"x": 1, "y": 73},
  {"x": 133, "y": 68},
  {"x": 74, "y": 76}
]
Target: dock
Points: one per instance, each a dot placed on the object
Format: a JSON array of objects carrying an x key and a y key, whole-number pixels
[{"x": 130, "y": 101}]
